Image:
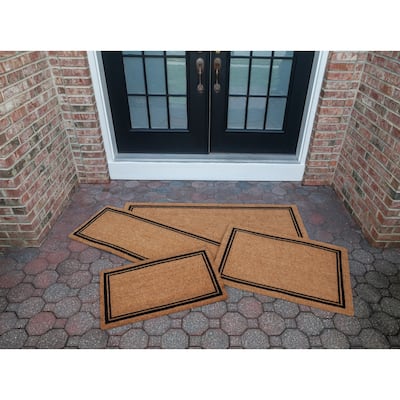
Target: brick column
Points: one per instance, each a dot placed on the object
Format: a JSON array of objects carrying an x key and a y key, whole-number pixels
[{"x": 339, "y": 90}]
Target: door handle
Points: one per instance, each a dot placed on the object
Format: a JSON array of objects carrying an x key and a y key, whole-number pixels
[
  {"x": 217, "y": 70},
  {"x": 200, "y": 72}
]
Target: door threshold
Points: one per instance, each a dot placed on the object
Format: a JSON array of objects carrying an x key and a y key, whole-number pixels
[{"x": 206, "y": 168}]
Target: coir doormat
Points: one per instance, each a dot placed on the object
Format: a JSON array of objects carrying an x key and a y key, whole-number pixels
[
  {"x": 154, "y": 288},
  {"x": 308, "y": 272},
  {"x": 137, "y": 238},
  {"x": 211, "y": 220}
]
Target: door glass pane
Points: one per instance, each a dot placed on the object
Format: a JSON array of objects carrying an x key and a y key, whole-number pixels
[
  {"x": 280, "y": 77},
  {"x": 153, "y": 53},
  {"x": 138, "y": 111},
  {"x": 240, "y": 53},
  {"x": 276, "y": 113},
  {"x": 176, "y": 68},
  {"x": 131, "y": 53},
  {"x": 155, "y": 75},
  {"x": 236, "y": 112},
  {"x": 283, "y": 53},
  {"x": 158, "y": 112},
  {"x": 175, "y": 53},
  {"x": 178, "y": 112},
  {"x": 239, "y": 72},
  {"x": 256, "y": 113},
  {"x": 134, "y": 77},
  {"x": 262, "y": 53},
  {"x": 259, "y": 76}
]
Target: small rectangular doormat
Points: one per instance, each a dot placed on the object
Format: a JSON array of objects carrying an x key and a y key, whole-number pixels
[
  {"x": 308, "y": 272},
  {"x": 154, "y": 288},
  {"x": 137, "y": 238},
  {"x": 211, "y": 220}
]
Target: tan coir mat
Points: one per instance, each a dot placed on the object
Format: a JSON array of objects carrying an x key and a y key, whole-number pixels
[
  {"x": 137, "y": 238},
  {"x": 308, "y": 272},
  {"x": 211, "y": 220},
  {"x": 154, "y": 288}
]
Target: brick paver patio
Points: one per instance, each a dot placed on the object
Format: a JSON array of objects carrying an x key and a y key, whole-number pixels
[{"x": 49, "y": 296}]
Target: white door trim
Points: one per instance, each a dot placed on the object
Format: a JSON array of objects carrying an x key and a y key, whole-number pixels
[{"x": 208, "y": 167}]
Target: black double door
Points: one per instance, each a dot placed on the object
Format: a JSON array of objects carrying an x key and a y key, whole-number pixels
[{"x": 207, "y": 102}]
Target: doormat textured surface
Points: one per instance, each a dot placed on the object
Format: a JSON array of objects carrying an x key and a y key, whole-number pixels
[
  {"x": 211, "y": 220},
  {"x": 154, "y": 288},
  {"x": 308, "y": 272},
  {"x": 136, "y": 238}
]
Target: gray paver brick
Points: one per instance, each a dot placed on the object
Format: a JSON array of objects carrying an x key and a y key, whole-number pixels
[
  {"x": 54, "y": 339},
  {"x": 20, "y": 292},
  {"x": 347, "y": 325},
  {"x": 385, "y": 324},
  {"x": 215, "y": 339},
  {"x": 271, "y": 323},
  {"x": 368, "y": 293},
  {"x": 333, "y": 339},
  {"x": 89, "y": 293},
  {"x": 372, "y": 339},
  {"x": 286, "y": 309},
  {"x": 377, "y": 279},
  {"x": 361, "y": 308},
  {"x": 175, "y": 339},
  {"x": 134, "y": 339},
  {"x": 214, "y": 310},
  {"x": 363, "y": 256},
  {"x": 7, "y": 321},
  {"x": 13, "y": 339},
  {"x": 68, "y": 267},
  {"x": 67, "y": 307},
  {"x": 294, "y": 339},
  {"x": 157, "y": 326},
  {"x": 309, "y": 323},
  {"x": 394, "y": 290},
  {"x": 255, "y": 339},
  {"x": 30, "y": 307},
  {"x": 195, "y": 323},
  {"x": 233, "y": 323},
  {"x": 391, "y": 306},
  {"x": 79, "y": 279},
  {"x": 56, "y": 292},
  {"x": 386, "y": 267},
  {"x": 94, "y": 339}
]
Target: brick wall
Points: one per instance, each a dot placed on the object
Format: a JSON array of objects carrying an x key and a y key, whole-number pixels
[
  {"x": 339, "y": 90},
  {"x": 367, "y": 176},
  {"x": 36, "y": 168},
  {"x": 49, "y": 140},
  {"x": 79, "y": 111}
]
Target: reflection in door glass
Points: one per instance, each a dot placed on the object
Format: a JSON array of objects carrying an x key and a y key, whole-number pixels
[
  {"x": 239, "y": 73},
  {"x": 280, "y": 78},
  {"x": 138, "y": 111},
  {"x": 236, "y": 112},
  {"x": 156, "y": 87},
  {"x": 258, "y": 89},
  {"x": 158, "y": 112},
  {"x": 276, "y": 113}
]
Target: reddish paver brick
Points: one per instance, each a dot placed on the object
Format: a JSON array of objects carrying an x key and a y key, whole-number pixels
[
  {"x": 89, "y": 255},
  {"x": 75, "y": 246},
  {"x": 45, "y": 279},
  {"x": 40, "y": 323},
  {"x": 10, "y": 279},
  {"x": 79, "y": 323},
  {"x": 36, "y": 266},
  {"x": 250, "y": 307},
  {"x": 58, "y": 256}
]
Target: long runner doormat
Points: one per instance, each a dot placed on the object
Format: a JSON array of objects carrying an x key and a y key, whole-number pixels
[
  {"x": 137, "y": 238},
  {"x": 308, "y": 272},
  {"x": 154, "y": 288},
  {"x": 211, "y": 220}
]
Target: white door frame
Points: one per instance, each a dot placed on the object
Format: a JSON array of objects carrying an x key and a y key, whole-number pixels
[{"x": 230, "y": 167}]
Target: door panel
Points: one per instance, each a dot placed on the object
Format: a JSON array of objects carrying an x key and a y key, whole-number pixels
[
  {"x": 155, "y": 104},
  {"x": 207, "y": 102},
  {"x": 263, "y": 94}
]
